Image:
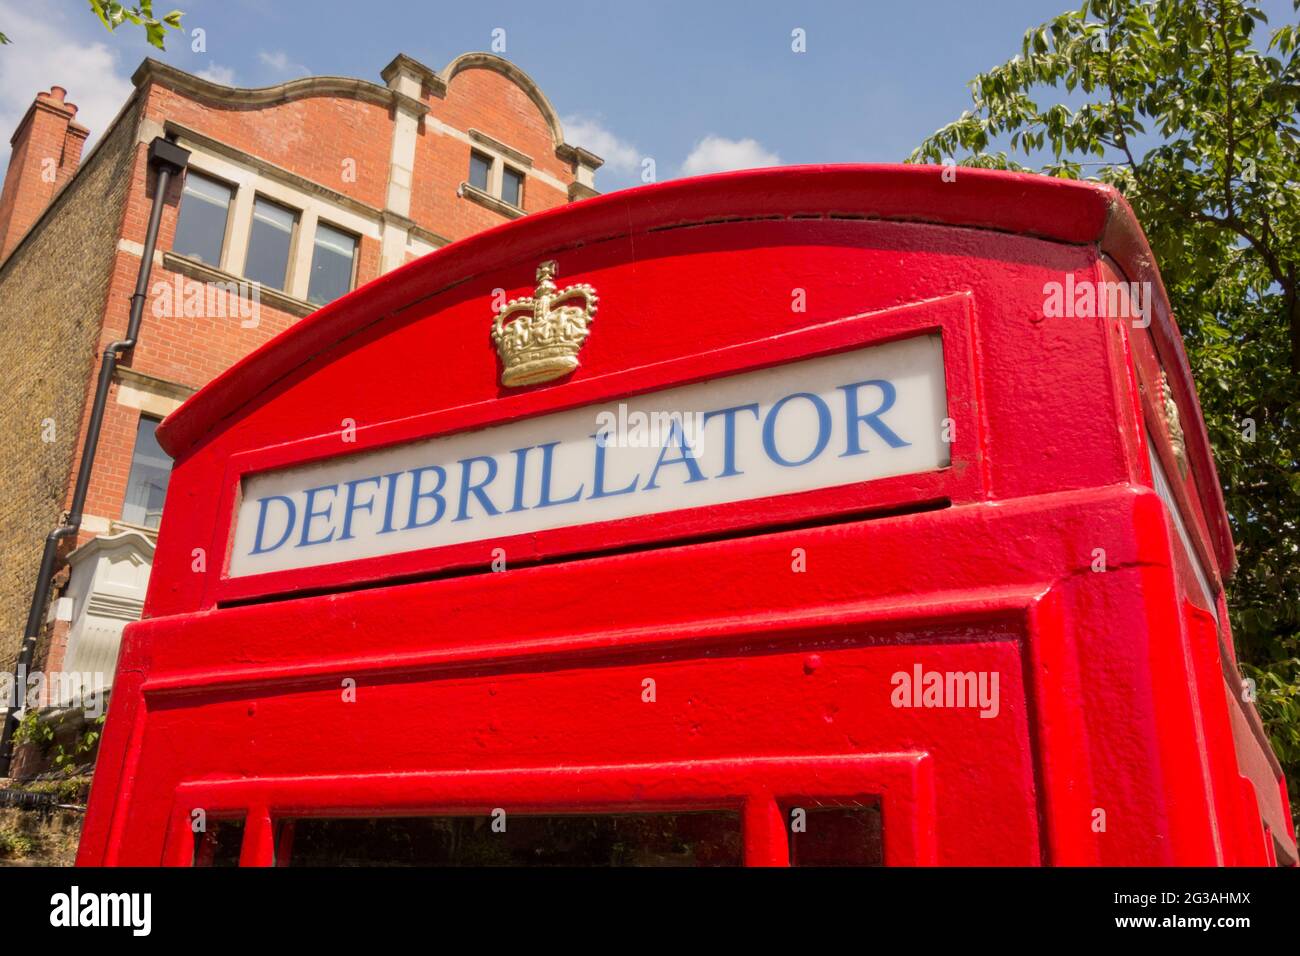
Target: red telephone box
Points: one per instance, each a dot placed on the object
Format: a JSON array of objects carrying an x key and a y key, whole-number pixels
[{"x": 802, "y": 516}]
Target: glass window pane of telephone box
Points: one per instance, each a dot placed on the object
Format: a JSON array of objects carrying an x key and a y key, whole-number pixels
[{"x": 848, "y": 834}]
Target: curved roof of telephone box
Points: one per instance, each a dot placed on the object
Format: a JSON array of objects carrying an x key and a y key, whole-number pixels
[{"x": 1055, "y": 209}]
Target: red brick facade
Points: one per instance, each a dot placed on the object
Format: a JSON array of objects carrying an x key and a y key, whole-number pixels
[{"x": 386, "y": 162}]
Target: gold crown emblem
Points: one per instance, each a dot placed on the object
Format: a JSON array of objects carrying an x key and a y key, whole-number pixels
[{"x": 543, "y": 342}]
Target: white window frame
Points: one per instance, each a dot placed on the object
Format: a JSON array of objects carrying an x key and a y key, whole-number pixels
[
  {"x": 248, "y": 183},
  {"x": 518, "y": 162}
]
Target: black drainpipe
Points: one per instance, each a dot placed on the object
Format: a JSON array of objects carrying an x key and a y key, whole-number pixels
[{"x": 168, "y": 160}]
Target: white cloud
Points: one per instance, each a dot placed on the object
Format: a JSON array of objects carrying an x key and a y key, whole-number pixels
[
  {"x": 619, "y": 155},
  {"x": 48, "y": 50},
  {"x": 218, "y": 74},
  {"x": 715, "y": 154},
  {"x": 280, "y": 63}
]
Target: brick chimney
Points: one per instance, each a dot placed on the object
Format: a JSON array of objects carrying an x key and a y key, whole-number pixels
[{"x": 46, "y": 152}]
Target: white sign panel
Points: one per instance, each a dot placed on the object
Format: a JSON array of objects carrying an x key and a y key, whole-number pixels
[{"x": 816, "y": 423}]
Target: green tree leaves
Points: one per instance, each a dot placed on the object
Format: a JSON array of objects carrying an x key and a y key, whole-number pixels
[{"x": 113, "y": 14}]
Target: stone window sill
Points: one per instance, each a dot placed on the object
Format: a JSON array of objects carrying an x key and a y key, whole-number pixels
[
  {"x": 510, "y": 153},
  {"x": 202, "y": 272},
  {"x": 500, "y": 206}
]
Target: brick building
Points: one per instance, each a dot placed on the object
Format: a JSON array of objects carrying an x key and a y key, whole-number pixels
[{"x": 294, "y": 194}]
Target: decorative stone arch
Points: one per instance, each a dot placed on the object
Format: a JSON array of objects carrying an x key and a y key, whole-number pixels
[{"x": 490, "y": 61}]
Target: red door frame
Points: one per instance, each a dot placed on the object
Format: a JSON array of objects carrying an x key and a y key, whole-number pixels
[{"x": 762, "y": 789}]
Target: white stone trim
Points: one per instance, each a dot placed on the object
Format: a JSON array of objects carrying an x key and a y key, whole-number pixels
[
  {"x": 152, "y": 404},
  {"x": 136, "y": 249},
  {"x": 415, "y": 246},
  {"x": 489, "y": 201},
  {"x": 393, "y": 247},
  {"x": 406, "y": 80},
  {"x": 300, "y": 253},
  {"x": 239, "y": 226},
  {"x": 494, "y": 144},
  {"x": 401, "y": 162},
  {"x": 154, "y": 397},
  {"x": 250, "y": 183}
]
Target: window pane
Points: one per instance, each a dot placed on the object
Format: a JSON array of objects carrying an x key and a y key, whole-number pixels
[
  {"x": 512, "y": 187},
  {"x": 838, "y": 836},
  {"x": 479, "y": 167},
  {"x": 219, "y": 844},
  {"x": 146, "y": 485},
  {"x": 268, "y": 244},
  {"x": 708, "y": 838},
  {"x": 201, "y": 223},
  {"x": 331, "y": 264}
]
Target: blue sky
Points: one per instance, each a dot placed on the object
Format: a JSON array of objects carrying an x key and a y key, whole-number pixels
[{"x": 695, "y": 85}]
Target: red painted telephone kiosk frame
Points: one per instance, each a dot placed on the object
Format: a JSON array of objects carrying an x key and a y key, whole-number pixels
[{"x": 1121, "y": 736}]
